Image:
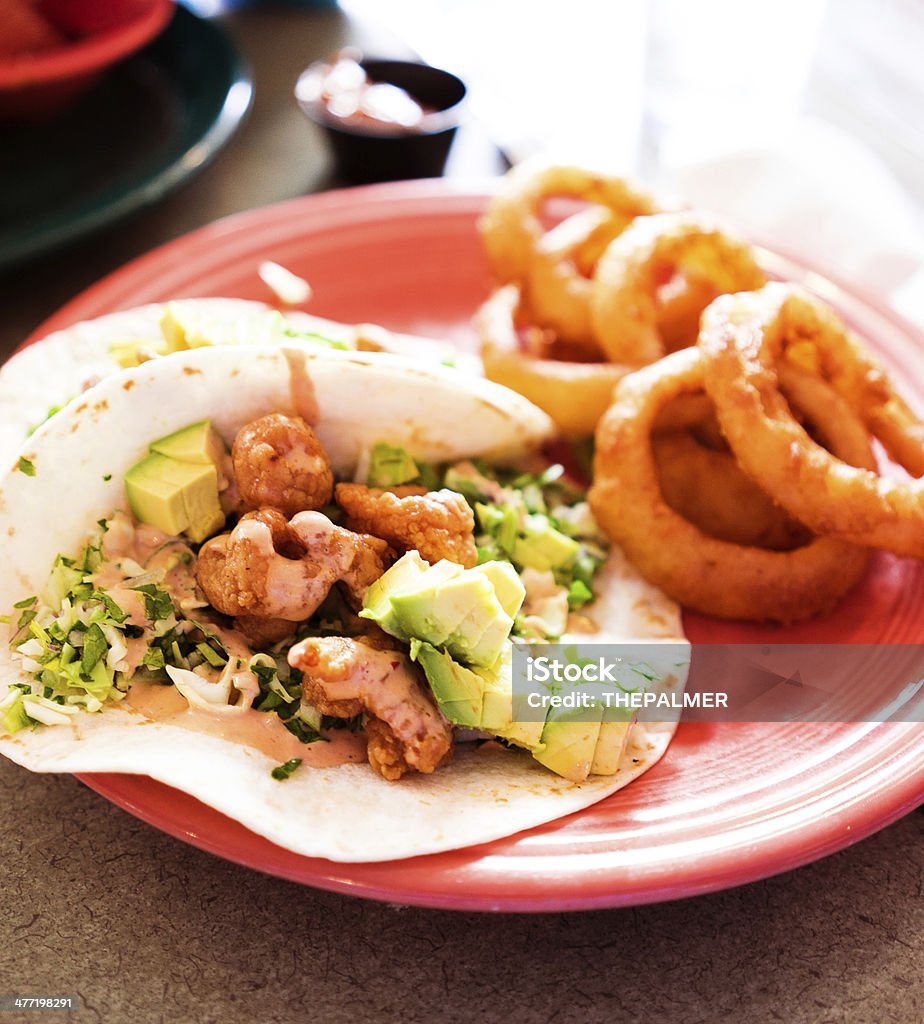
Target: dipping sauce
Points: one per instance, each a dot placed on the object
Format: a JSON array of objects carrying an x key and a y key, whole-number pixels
[
  {"x": 259, "y": 730},
  {"x": 353, "y": 100}
]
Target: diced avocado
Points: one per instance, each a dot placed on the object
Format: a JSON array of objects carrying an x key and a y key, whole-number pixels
[
  {"x": 390, "y": 466},
  {"x": 176, "y": 497},
  {"x": 480, "y": 637},
  {"x": 401, "y": 576},
  {"x": 610, "y": 746},
  {"x": 458, "y": 690},
  {"x": 568, "y": 745},
  {"x": 443, "y": 605},
  {"x": 173, "y": 329},
  {"x": 543, "y": 547},
  {"x": 198, "y": 443},
  {"x": 497, "y": 715},
  {"x": 184, "y": 326},
  {"x": 438, "y": 602},
  {"x": 507, "y": 585}
]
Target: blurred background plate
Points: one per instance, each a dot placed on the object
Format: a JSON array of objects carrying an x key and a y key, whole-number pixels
[{"x": 149, "y": 125}]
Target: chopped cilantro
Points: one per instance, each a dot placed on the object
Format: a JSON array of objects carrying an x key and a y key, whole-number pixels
[
  {"x": 95, "y": 646},
  {"x": 26, "y": 466},
  {"x": 283, "y": 771},
  {"x": 579, "y": 594},
  {"x": 353, "y": 724},
  {"x": 26, "y": 617},
  {"x": 158, "y": 604},
  {"x": 51, "y": 412},
  {"x": 153, "y": 658},
  {"x": 26, "y": 602},
  {"x": 302, "y": 731},
  {"x": 321, "y": 339},
  {"x": 113, "y": 610},
  {"x": 212, "y": 656}
]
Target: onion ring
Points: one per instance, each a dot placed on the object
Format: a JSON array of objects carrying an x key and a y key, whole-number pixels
[
  {"x": 574, "y": 394},
  {"x": 677, "y": 252},
  {"x": 550, "y": 266},
  {"x": 702, "y": 572},
  {"x": 745, "y": 339},
  {"x": 708, "y": 489}
]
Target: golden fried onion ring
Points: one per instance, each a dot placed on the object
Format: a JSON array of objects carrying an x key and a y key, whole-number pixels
[
  {"x": 708, "y": 488},
  {"x": 704, "y": 573},
  {"x": 744, "y": 340},
  {"x": 552, "y": 267},
  {"x": 684, "y": 253},
  {"x": 574, "y": 394}
]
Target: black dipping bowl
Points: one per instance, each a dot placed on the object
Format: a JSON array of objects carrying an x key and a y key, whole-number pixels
[{"x": 364, "y": 157}]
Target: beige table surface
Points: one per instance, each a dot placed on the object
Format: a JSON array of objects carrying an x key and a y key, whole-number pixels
[{"x": 145, "y": 928}]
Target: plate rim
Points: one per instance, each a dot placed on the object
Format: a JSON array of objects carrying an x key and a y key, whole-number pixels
[
  {"x": 840, "y": 828},
  {"x": 165, "y": 178},
  {"x": 338, "y": 880}
]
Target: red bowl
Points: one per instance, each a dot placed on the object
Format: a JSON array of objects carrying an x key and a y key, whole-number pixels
[{"x": 36, "y": 85}]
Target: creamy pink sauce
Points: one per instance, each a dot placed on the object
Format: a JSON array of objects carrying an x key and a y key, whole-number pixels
[{"x": 258, "y": 730}]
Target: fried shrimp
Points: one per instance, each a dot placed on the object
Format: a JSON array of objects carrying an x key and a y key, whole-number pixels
[
  {"x": 404, "y": 727},
  {"x": 268, "y": 568},
  {"x": 437, "y": 524},
  {"x": 279, "y": 463}
]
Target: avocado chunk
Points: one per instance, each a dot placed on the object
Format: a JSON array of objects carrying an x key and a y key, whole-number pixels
[
  {"x": 568, "y": 745},
  {"x": 401, "y": 576},
  {"x": 184, "y": 325},
  {"x": 458, "y": 690},
  {"x": 497, "y": 712},
  {"x": 435, "y": 605},
  {"x": 543, "y": 547},
  {"x": 182, "y": 329},
  {"x": 456, "y": 608},
  {"x": 611, "y": 744},
  {"x": 409, "y": 576},
  {"x": 507, "y": 585},
  {"x": 446, "y": 606},
  {"x": 176, "y": 497},
  {"x": 480, "y": 637},
  {"x": 198, "y": 443}
]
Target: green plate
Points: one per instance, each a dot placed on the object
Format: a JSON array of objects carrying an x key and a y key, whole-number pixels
[{"x": 153, "y": 122}]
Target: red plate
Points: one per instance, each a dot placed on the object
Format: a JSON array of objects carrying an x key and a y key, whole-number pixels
[{"x": 728, "y": 803}]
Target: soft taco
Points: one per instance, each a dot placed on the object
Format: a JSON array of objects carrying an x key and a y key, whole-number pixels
[
  {"x": 288, "y": 582},
  {"x": 42, "y": 378}
]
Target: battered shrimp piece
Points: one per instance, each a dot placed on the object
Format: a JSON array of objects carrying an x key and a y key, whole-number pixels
[
  {"x": 279, "y": 463},
  {"x": 268, "y": 568},
  {"x": 437, "y": 524},
  {"x": 404, "y": 728}
]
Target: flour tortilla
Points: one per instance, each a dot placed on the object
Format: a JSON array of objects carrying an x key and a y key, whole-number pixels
[
  {"x": 346, "y": 813},
  {"x": 59, "y": 367}
]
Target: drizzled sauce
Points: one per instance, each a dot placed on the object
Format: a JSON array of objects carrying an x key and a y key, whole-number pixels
[
  {"x": 258, "y": 730},
  {"x": 301, "y": 387}
]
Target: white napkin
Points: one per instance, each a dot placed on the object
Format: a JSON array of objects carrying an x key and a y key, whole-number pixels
[{"x": 827, "y": 199}]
